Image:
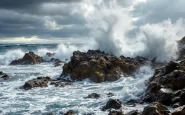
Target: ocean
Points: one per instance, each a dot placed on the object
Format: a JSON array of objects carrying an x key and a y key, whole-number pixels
[{"x": 41, "y": 101}]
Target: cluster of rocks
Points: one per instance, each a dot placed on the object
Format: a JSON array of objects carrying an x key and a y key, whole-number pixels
[
  {"x": 43, "y": 82},
  {"x": 99, "y": 66},
  {"x": 167, "y": 85},
  {"x": 31, "y": 58},
  {"x": 4, "y": 76}
]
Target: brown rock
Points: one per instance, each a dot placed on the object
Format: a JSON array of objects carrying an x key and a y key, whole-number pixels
[
  {"x": 28, "y": 59},
  {"x": 115, "y": 113},
  {"x": 93, "y": 95},
  {"x": 112, "y": 104},
  {"x": 39, "y": 82},
  {"x": 154, "y": 109},
  {"x": 99, "y": 67},
  {"x": 179, "y": 111},
  {"x": 70, "y": 112}
]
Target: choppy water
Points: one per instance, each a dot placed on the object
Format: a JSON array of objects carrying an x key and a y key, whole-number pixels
[{"x": 15, "y": 101}]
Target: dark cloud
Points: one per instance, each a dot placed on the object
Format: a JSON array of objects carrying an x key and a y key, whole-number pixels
[
  {"x": 156, "y": 11},
  {"x": 27, "y": 18}
]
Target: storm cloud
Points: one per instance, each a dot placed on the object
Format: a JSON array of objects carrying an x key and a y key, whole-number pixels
[{"x": 60, "y": 19}]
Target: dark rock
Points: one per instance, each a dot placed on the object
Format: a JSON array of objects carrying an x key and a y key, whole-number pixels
[
  {"x": 115, "y": 113},
  {"x": 110, "y": 94},
  {"x": 154, "y": 109},
  {"x": 163, "y": 96},
  {"x": 99, "y": 67},
  {"x": 181, "y": 49},
  {"x": 39, "y": 82},
  {"x": 28, "y": 59},
  {"x": 132, "y": 102},
  {"x": 93, "y": 95},
  {"x": 4, "y": 76},
  {"x": 112, "y": 104},
  {"x": 70, "y": 112},
  {"x": 49, "y": 54},
  {"x": 135, "y": 112},
  {"x": 57, "y": 62},
  {"x": 57, "y": 84},
  {"x": 179, "y": 111}
]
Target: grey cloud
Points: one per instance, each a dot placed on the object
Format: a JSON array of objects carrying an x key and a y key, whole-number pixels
[{"x": 155, "y": 11}]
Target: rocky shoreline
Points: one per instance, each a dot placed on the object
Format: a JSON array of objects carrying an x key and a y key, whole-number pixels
[{"x": 166, "y": 88}]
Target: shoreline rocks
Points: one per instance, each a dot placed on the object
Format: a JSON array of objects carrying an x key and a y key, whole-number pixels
[
  {"x": 100, "y": 67},
  {"x": 29, "y": 59},
  {"x": 4, "y": 76},
  {"x": 167, "y": 85}
]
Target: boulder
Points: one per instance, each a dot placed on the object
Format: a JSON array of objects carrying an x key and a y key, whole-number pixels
[
  {"x": 4, "y": 76},
  {"x": 112, "y": 104},
  {"x": 115, "y": 113},
  {"x": 28, "y": 59},
  {"x": 155, "y": 109},
  {"x": 93, "y": 95},
  {"x": 70, "y": 112},
  {"x": 167, "y": 84},
  {"x": 100, "y": 67},
  {"x": 179, "y": 111},
  {"x": 134, "y": 112},
  {"x": 38, "y": 82}
]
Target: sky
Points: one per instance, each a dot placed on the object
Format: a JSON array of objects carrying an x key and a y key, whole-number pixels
[{"x": 54, "y": 21}]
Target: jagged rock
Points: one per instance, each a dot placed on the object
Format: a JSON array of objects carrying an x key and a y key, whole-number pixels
[
  {"x": 110, "y": 94},
  {"x": 70, "y": 112},
  {"x": 49, "y": 54},
  {"x": 28, "y": 59},
  {"x": 167, "y": 85},
  {"x": 135, "y": 112},
  {"x": 112, "y": 104},
  {"x": 57, "y": 84},
  {"x": 179, "y": 111},
  {"x": 39, "y": 82},
  {"x": 4, "y": 76},
  {"x": 116, "y": 113},
  {"x": 155, "y": 109},
  {"x": 181, "y": 48},
  {"x": 57, "y": 62},
  {"x": 100, "y": 67},
  {"x": 93, "y": 95}
]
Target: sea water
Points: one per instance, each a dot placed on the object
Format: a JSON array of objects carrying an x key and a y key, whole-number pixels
[{"x": 41, "y": 101}]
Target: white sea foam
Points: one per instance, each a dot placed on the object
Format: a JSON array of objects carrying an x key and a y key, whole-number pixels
[
  {"x": 11, "y": 55},
  {"x": 55, "y": 99}
]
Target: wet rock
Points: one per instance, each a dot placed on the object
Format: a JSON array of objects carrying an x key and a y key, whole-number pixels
[
  {"x": 93, "y": 95},
  {"x": 112, "y": 104},
  {"x": 57, "y": 84},
  {"x": 181, "y": 49},
  {"x": 4, "y": 76},
  {"x": 110, "y": 94},
  {"x": 115, "y": 113},
  {"x": 167, "y": 85},
  {"x": 132, "y": 102},
  {"x": 163, "y": 96},
  {"x": 39, "y": 82},
  {"x": 51, "y": 114},
  {"x": 28, "y": 59},
  {"x": 179, "y": 111},
  {"x": 57, "y": 62},
  {"x": 154, "y": 109},
  {"x": 134, "y": 112},
  {"x": 70, "y": 112},
  {"x": 99, "y": 67},
  {"x": 49, "y": 54}
]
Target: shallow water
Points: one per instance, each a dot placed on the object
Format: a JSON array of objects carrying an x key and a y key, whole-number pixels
[{"x": 15, "y": 101}]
